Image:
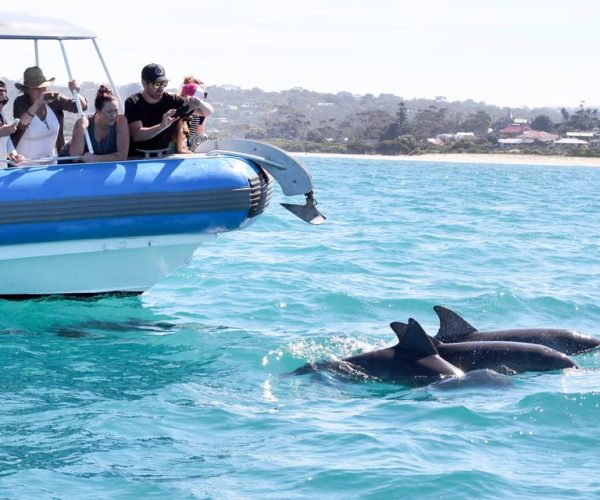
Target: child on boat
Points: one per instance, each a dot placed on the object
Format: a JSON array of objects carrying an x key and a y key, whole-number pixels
[{"x": 193, "y": 126}]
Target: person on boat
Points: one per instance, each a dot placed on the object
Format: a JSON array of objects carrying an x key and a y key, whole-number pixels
[
  {"x": 151, "y": 113},
  {"x": 7, "y": 150},
  {"x": 41, "y": 113},
  {"x": 194, "y": 123},
  {"x": 108, "y": 131}
]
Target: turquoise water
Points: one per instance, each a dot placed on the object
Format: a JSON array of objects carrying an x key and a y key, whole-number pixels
[{"x": 182, "y": 393}]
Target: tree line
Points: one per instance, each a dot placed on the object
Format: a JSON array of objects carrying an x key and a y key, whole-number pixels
[{"x": 301, "y": 120}]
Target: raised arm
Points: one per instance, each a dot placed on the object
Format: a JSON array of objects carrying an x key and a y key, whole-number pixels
[
  {"x": 8, "y": 129},
  {"x": 202, "y": 106},
  {"x": 139, "y": 133},
  {"x": 69, "y": 103},
  {"x": 24, "y": 109},
  {"x": 78, "y": 140}
]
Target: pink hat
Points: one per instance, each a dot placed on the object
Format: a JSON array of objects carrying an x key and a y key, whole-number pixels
[
  {"x": 189, "y": 89},
  {"x": 193, "y": 89}
]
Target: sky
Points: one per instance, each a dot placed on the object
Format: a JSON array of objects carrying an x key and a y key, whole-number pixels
[{"x": 508, "y": 53}]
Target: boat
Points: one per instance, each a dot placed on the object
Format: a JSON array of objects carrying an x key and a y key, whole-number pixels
[{"x": 120, "y": 227}]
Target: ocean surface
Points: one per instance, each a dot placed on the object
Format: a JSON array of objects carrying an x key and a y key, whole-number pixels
[{"x": 183, "y": 391}]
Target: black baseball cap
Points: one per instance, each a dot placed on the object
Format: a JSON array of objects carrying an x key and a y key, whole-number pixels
[{"x": 154, "y": 73}]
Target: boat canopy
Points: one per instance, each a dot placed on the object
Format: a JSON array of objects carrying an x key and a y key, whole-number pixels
[
  {"x": 15, "y": 26},
  {"x": 27, "y": 27}
]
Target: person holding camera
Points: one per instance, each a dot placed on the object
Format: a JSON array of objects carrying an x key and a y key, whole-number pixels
[
  {"x": 153, "y": 114},
  {"x": 7, "y": 150},
  {"x": 193, "y": 129},
  {"x": 41, "y": 114}
]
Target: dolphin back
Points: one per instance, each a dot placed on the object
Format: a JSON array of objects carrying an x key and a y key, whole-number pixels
[
  {"x": 504, "y": 357},
  {"x": 565, "y": 341}
]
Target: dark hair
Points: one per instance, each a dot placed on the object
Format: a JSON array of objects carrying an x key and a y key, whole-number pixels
[
  {"x": 103, "y": 96},
  {"x": 3, "y": 87}
]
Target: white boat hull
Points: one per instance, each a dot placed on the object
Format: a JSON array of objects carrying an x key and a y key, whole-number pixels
[{"x": 89, "y": 267}]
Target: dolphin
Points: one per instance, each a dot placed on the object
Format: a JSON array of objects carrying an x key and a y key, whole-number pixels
[
  {"x": 453, "y": 328},
  {"x": 476, "y": 380},
  {"x": 413, "y": 358},
  {"x": 507, "y": 358}
]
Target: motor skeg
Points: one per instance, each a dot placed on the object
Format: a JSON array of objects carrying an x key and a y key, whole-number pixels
[{"x": 290, "y": 174}]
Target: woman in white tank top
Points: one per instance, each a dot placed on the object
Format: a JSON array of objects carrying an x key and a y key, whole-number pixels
[
  {"x": 39, "y": 140},
  {"x": 40, "y": 131}
]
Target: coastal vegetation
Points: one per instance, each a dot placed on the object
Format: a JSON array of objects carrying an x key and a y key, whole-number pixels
[{"x": 301, "y": 120}]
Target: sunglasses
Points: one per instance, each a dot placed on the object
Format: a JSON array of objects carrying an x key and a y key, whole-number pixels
[
  {"x": 205, "y": 95},
  {"x": 160, "y": 85}
]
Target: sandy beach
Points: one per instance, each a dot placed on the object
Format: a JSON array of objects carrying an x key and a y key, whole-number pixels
[{"x": 498, "y": 158}]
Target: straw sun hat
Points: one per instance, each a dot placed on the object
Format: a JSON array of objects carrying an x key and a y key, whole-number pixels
[{"x": 33, "y": 78}]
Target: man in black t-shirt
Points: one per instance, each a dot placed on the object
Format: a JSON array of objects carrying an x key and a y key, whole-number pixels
[{"x": 150, "y": 113}]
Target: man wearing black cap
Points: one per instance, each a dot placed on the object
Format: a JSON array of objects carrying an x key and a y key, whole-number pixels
[{"x": 150, "y": 112}]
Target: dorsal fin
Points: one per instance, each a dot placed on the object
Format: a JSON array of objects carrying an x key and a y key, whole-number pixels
[
  {"x": 416, "y": 341},
  {"x": 453, "y": 327},
  {"x": 399, "y": 329}
]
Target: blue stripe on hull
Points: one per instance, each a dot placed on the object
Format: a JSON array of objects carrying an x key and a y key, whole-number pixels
[
  {"x": 130, "y": 177},
  {"x": 128, "y": 199},
  {"x": 122, "y": 227}
]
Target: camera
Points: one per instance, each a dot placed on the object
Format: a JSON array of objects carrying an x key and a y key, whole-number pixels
[{"x": 181, "y": 111}]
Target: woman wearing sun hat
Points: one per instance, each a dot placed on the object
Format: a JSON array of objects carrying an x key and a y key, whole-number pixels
[{"x": 40, "y": 131}]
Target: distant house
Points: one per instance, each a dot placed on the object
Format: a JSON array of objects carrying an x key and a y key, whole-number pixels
[
  {"x": 515, "y": 140},
  {"x": 539, "y": 136},
  {"x": 529, "y": 137},
  {"x": 581, "y": 135},
  {"x": 514, "y": 130},
  {"x": 572, "y": 141},
  {"x": 435, "y": 141},
  {"x": 514, "y": 126},
  {"x": 459, "y": 136}
]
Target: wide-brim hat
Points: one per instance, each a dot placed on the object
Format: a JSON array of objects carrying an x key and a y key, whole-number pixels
[{"x": 33, "y": 78}]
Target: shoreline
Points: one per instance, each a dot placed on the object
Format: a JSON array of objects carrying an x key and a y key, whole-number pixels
[{"x": 492, "y": 158}]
